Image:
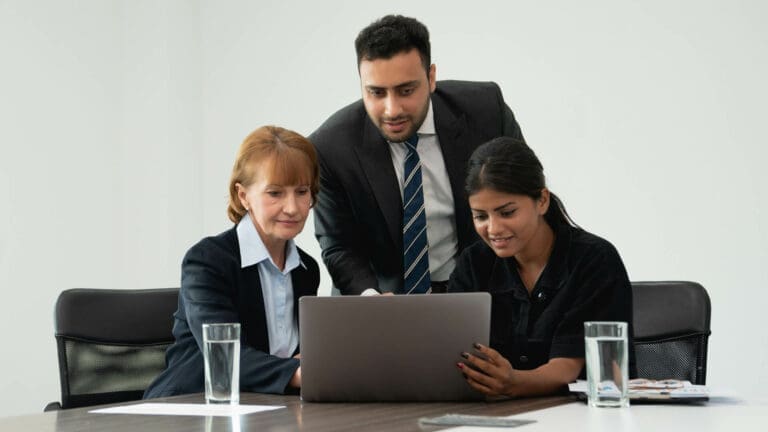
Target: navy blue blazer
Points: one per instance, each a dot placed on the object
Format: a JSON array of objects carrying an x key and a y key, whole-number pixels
[{"x": 214, "y": 288}]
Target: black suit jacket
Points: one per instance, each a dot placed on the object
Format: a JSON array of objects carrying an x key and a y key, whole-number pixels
[
  {"x": 358, "y": 215},
  {"x": 214, "y": 289}
]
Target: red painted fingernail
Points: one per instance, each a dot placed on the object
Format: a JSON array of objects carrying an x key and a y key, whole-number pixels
[
  {"x": 465, "y": 355},
  {"x": 477, "y": 345},
  {"x": 460, "y": 365}
]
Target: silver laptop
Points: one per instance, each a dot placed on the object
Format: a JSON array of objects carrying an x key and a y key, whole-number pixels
[{"x": 390, "y": 348}]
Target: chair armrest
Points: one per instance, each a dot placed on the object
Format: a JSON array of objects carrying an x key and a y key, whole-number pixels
[{"x": 53, "y": 406}]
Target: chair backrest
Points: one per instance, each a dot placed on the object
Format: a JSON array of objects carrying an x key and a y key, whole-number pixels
[
  {"x": 671, "y": 329},
  {"x": 111, "y": 343}
]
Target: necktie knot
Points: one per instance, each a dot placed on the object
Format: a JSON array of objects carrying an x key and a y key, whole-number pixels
[{"x": 412, "y": 142}]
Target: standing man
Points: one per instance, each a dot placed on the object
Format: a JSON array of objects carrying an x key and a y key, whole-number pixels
[{"x": 391, "y": 215}]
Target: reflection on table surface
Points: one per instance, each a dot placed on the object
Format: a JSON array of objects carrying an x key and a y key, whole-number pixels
[
  {"x": 550, "y": 413},
  {"x": 719, "y": 414},
  {"x": 297, "y": 415}
]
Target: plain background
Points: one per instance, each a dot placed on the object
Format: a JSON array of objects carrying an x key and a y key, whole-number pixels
[{"x": 119, "y": 122}]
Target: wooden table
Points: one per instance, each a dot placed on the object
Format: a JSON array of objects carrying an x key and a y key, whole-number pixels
[{"x": 298, "y": 415}]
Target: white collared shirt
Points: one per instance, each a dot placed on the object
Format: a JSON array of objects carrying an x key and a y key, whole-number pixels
[
  {"x": 276, "y": 287},
  {"x": 438, "y": 198}
]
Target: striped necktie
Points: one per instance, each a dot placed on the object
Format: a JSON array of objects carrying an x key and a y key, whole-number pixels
[{"x": 415, "y": 254}]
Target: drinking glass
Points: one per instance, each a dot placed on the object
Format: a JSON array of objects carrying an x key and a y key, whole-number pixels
[
  {"x": 221, "y": 354},
  {"x": 607, "y": 363}
]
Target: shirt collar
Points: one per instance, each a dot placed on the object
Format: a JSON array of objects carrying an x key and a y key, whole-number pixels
[
  {"x": 253, "y": 251},
  {"x": 428, "y": 126},
  {"x": 551, "y": 277}
]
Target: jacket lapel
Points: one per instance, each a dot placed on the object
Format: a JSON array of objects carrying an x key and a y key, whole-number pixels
[
  {"x": 376, "y": 162},
  {"x": 455, "y": 142},
  {"x": 302, "y": 286},
  {"x": 252, "y": 308}
]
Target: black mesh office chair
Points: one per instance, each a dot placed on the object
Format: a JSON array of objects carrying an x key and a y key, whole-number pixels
[
  {"x": 671, "y": 324},
  {"x": 111, "y": 343}
]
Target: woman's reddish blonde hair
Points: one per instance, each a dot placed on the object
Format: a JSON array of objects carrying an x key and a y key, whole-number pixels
[{"x": 290, "y": 160}]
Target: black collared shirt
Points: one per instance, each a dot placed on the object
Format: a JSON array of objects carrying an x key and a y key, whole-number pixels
[{"x": 584, "y": 280}]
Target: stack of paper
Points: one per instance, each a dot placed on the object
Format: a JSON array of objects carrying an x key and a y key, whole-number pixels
[
  {"x": 665, "y": 389},
  {"x": 642, "y": 388}
]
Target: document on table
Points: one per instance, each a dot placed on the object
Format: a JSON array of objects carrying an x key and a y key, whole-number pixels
[
  {"x": 641, "y": 389},
  {"x": 187, "y": 409}
]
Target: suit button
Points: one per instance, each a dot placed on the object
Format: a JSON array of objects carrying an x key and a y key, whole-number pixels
[
  {"x": 541, "y": 296},
  {"x": 523, "y": 359}
]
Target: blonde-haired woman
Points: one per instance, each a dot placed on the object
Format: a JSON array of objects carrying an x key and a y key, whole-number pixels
[{"x": 252, "y": 273}]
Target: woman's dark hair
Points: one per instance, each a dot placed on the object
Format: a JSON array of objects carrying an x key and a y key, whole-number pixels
[{"x": 508, "y": 165}]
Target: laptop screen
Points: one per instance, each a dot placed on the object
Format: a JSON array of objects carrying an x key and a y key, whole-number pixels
[{"x": 390, "y": 348}]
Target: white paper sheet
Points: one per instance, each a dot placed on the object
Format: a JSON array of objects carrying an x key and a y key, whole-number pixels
[
  {"x": 661, "y": 389},
  {"x": 187, "y": 409}
]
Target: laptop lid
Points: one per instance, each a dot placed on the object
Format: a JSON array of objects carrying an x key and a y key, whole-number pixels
[{"x": 390, "y": 348}]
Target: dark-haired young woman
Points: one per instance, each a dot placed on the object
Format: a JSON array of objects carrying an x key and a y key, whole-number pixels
[{"x": 546, "y": 277}]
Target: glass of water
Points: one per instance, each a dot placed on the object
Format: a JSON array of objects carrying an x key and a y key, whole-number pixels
[
  {"x": 221, "y": 353},
  {"x": 607, "y": 357}
]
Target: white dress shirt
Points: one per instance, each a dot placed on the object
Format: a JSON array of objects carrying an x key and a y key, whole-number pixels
[
  {"x": 438, "y": 198},
  {"x": 276, "y": 287}
]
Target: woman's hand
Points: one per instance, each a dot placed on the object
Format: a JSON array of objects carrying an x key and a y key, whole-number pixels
[
  {"x": 490, "y": 373},
  {"x": 296, "y": 379}
]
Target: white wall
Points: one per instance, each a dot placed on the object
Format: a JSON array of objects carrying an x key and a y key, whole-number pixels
[{"x": 119, "y": 121}]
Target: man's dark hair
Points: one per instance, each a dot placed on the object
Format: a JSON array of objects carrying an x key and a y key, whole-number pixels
[{"x": 391, "y": 35}]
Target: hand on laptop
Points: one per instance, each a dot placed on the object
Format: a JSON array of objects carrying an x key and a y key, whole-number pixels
[
  {"x": 489, "y": 372},
  {"x": 373, "y": 292},
  {"x": 296, "y": 379}
]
